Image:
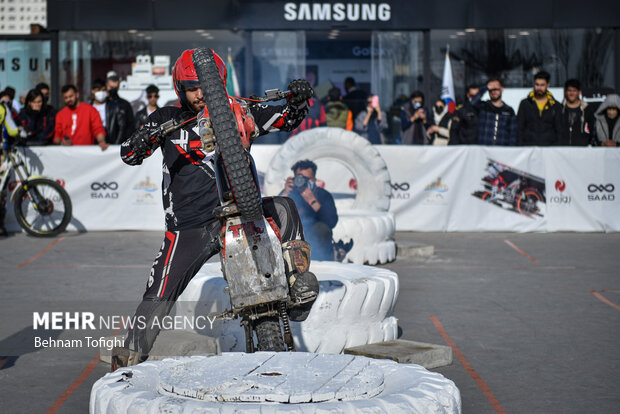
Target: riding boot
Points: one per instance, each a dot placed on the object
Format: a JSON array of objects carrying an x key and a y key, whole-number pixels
[
  {"x": 123, "y": 357},
  {"x": 303, "y": 285}
]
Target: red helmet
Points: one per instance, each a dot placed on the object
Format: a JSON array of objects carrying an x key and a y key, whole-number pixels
[{"x": 184, "y": 73}]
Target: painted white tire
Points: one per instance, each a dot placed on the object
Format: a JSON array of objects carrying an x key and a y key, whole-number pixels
[
  {"x": 355, "y": 307},
  {"x": 352, "y": 150},
  {"x": 372, "y": 233},
  {"x": 150, "y": 387}
]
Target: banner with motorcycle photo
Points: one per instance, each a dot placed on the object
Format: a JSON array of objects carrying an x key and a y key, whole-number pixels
[
  {"x": 504, "y": 189},
  {"x": 462, "y": 188}
]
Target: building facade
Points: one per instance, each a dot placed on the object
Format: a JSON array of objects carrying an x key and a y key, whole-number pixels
[{"x": 390, "y": 48}]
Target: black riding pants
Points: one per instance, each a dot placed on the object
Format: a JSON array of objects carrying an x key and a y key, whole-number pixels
[{"x": 181, "y": 256}]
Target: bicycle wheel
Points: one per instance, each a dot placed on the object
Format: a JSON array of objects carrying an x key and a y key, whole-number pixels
[
  {"x": 527, "y": 204},
  {"x": 269, "y": 334},
  {"x": 237, "y": 165},
  {"x": 42, "y": 207}
]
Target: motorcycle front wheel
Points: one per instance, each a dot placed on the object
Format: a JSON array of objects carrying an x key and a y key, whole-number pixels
[
  {"x": 42, "y": 207},
  {"x": 238, "y": 170}
]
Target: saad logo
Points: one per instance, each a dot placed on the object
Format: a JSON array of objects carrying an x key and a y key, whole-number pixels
[
  {"x": 104, "y": 190},
  {"x": 560, "y": 197},
  {"x": 400, "y": 191},
  {"x": 601, "y": 192}
]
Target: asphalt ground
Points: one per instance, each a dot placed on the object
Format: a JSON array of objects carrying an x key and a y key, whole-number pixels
[{"x": 533, "y": 319}]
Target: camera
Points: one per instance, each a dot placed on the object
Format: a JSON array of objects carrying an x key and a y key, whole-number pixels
[
  {"x": 300, "y": 181},
  {"x": 417, "y": 105}
]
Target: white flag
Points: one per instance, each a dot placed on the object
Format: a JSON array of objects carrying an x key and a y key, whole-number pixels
[{"x": 447, "y": 85}]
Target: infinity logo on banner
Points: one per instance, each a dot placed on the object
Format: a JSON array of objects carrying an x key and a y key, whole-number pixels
[
  {"x": 112, "y": 185},
  {"x": 400, "y": 190},
  {"x": 601, "y": 192},
  {"x": 104, "y": 190},
  {"x": 402, "y": 186},
  {"x": 593, "y": 188}
]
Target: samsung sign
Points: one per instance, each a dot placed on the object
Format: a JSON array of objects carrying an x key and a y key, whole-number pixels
[{"x": 338, "y": 12}]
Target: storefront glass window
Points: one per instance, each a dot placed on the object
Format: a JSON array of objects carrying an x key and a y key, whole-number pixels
[
  {"x": 140, "y": 58},
  {"x": 397, "y": 70},
  {"x": 517, "y": 54},
  {"x": 24, "y": 64}
]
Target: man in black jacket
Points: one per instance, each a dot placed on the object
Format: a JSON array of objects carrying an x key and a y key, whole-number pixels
[
  {"x": 190, "y": 195},
  {"x": 121, "y": 113},
  {"x": 577, "y": 119},
  {"x": 540, "y": 116},
  {"x": 355, "y": 99},
  {"x": 464, "y": 128}
]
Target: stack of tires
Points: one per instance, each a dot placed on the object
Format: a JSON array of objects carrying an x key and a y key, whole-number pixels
[{"x": 355, "y": 307}]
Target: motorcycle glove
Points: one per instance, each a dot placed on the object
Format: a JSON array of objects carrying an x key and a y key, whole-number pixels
[
  {"x": 301, "y": 91},
  {"x": 142, "y": 143}
]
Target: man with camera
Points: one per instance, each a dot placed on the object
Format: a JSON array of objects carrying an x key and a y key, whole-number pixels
[{"x": 316, "y": 208}]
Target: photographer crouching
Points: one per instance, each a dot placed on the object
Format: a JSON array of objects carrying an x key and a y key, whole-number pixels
[{"x": 316, "y": 208}]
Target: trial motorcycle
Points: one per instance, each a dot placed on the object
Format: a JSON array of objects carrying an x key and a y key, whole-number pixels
[{"x": 255, "y": 263}]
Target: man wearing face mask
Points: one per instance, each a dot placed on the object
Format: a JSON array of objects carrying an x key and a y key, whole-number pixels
[
  {"x": 316, "y": 208},
  {"x": 464, "y": 128},
  {"x": 120, "y": 120},
  {"x": 99, "y": 95}
]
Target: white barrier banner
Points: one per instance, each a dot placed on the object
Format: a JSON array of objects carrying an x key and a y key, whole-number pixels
[
  {"x": 583, "y": 189},
  {"x": 105, "y": 193},
  {"x": 504, "y": 189},
  {"x": 461, "y": 188}
]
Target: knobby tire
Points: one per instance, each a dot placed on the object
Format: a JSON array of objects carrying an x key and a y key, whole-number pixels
[
  {"x": 269, "y": 334},
  {"x": 32, "y": 185},
  {"x": 224, "y": 124}
]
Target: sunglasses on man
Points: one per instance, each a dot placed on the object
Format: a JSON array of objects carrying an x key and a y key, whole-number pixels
[{"x": 152, "y": 95}]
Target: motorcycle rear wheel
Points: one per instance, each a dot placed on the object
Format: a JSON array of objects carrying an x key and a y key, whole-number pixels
[
  {"x": 42, "y": 207},
  {"x": 237, "y": 165},
  {"x": 269, "y": 334}
]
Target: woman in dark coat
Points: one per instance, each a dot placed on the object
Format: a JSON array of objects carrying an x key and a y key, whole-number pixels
[{"x": 36, "y": 125}]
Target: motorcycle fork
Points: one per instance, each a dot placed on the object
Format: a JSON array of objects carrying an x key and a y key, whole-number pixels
[
  {"x": 288, "y": 335},
  {"x": 16, "y": 162},
  {"x": 248, "y": 326}
]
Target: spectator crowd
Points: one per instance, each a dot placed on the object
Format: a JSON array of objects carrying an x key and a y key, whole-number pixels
[
  {"x": 540, "y": 120},
  {"x": 104, "y": 120}
]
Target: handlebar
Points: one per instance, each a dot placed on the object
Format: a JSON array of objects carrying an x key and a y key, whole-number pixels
[{"x": 272, "y": 95}]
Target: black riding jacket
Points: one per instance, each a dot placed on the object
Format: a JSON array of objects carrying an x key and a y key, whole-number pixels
[{"x": 188, "y": 185}]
